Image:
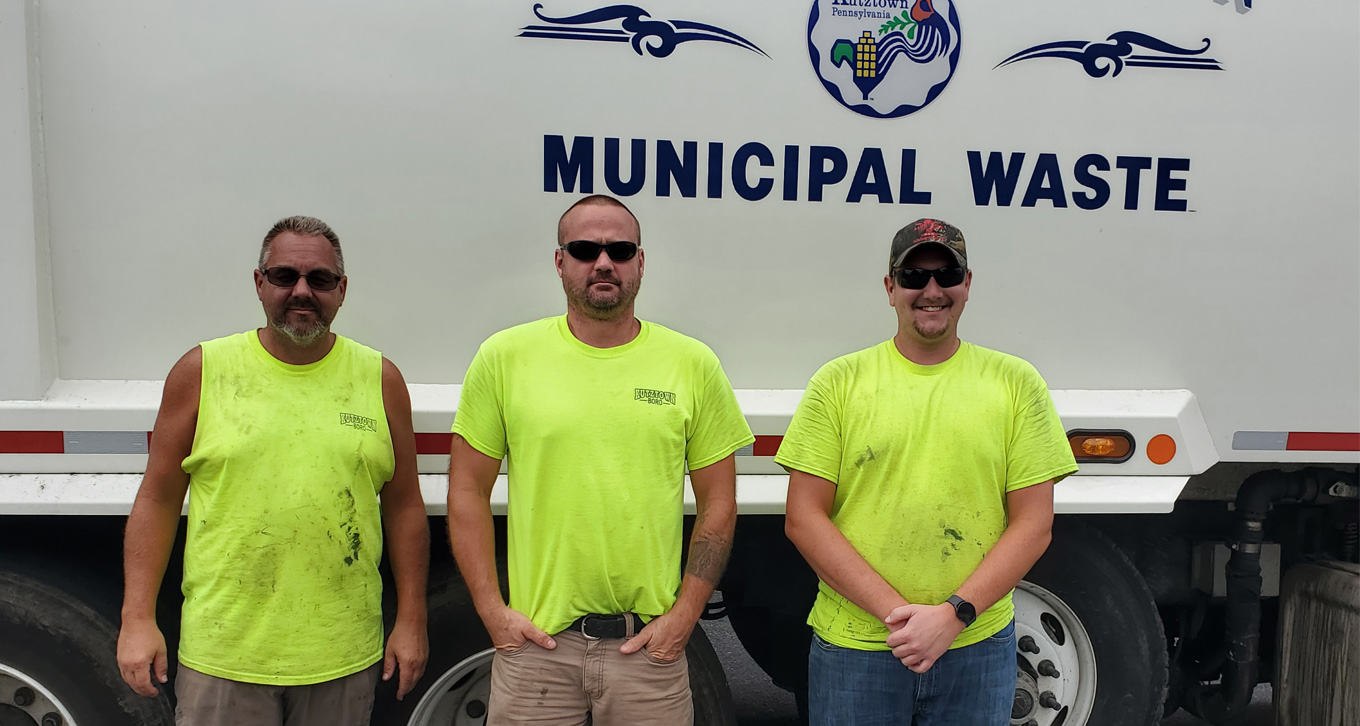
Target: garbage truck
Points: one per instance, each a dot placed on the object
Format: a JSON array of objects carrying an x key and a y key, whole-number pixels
[{"x": 1159, "y": 198}]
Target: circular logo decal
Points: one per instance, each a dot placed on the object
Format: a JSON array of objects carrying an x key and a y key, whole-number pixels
[{"x": 884, "y": 58}]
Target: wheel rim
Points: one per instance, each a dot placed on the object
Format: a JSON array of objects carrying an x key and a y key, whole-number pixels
[
  {"x": 459, "y": 697},
  {"x": 1044, "y": 623},
  {"x": 22, "y": 695}
]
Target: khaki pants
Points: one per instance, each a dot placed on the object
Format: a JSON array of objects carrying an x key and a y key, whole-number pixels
[
  {"x": 587, "y": 681},
  {"x": 205, "y": 700}
]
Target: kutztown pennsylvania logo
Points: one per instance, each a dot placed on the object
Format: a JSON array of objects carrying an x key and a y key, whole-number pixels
[{"x": 884, "y": 58}]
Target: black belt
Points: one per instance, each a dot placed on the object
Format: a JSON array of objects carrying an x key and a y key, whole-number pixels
[{"x": 595, "y": 627}]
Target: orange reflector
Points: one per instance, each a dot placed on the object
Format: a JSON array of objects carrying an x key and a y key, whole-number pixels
[
  {"x": 1109, "y": 447},
  {"x": 1161, "y": 449}
]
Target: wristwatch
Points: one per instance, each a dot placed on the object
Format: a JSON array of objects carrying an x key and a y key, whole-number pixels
[{"x": 963, "y": 609}]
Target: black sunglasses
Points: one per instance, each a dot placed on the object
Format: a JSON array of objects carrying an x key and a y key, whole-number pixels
[
  {"x": 918, "y": 279},
  {"x": 587, "y": 251},
  {"x": 287, "y": 277}
]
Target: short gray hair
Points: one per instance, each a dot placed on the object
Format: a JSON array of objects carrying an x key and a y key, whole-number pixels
[{"x": 303, "y": 227}]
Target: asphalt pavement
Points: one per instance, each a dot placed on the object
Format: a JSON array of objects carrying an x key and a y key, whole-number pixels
[{"x": 760, "y": 703}]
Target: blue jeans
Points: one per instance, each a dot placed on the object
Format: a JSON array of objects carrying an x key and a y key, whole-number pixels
[{"x": 969, "y": 686}]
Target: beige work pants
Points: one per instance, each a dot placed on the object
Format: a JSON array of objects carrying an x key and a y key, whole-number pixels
[
  {"x": 205, "y": 700},
  {"x": 583, "y": 678}
]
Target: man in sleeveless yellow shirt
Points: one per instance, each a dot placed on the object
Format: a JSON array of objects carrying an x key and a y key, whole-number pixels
[
  {"x": 921, "y": 477},
  {"x": 598, "y": 414},
  {"x": 298, "y": 448}
]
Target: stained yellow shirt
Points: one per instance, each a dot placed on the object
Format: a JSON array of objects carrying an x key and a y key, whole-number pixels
[
  {"x": 922, "y": 458},
  {"x": 281, "y": 583}
]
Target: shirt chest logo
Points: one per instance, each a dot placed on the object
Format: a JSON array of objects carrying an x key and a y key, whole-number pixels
[
  {"x": 654, "y": 397},
  {"x": 359, "y": 423}
]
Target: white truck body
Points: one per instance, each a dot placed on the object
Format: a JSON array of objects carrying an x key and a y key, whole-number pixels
[
  {"x": 1175, "y": 246},
  {"x": 159, "y": 136}
]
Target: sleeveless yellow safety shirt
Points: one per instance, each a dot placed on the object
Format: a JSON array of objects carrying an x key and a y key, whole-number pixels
[{"x": 281, "y": 583}]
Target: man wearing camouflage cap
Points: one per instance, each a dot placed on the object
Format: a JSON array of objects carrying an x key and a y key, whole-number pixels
[{"x": 921, "y": 476}]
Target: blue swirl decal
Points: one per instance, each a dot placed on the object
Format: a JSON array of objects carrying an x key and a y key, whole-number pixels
[
  {"x": 1111, "y": 56},
  {"x": 658, "y": 37}
]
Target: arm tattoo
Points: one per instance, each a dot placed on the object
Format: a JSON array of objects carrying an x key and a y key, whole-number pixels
[{"x": 708, "y": 558}]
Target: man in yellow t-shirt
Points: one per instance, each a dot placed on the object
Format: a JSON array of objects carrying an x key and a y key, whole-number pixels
[
  {"x": 298, "y": 447},
  {"x": 921, "y": 476},
  {"x": 598, "y": 414}
]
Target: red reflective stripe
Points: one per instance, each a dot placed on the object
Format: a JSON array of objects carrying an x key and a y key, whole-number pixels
[
  {"x": 766, "y": 445},
  {"x": 440, "y": 443},
  {"x": 53, "y": 442},
  {"x": 433, "y": 443},
  {"x": 32, "y": 442},
  {"x": 1317, "y": 441}
]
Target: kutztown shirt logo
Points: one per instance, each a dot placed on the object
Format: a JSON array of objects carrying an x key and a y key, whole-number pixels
[
  {"x": 654, "y": 397},
  {"x": 884, "y": 58},
  {"x": 359, "y": 423}
]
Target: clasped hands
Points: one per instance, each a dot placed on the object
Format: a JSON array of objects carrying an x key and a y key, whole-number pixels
[{"x": 920, "y": 634}]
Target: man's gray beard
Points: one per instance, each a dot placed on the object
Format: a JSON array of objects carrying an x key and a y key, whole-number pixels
[{"x": 302, "y": 336}]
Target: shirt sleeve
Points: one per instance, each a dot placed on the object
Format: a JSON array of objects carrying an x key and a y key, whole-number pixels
[
  {"x": 719, "y": 427},
  {"x": 813, "y": 442},
  {"x": 480, "y": 418},
  {"x": 1039, "y": 450}
]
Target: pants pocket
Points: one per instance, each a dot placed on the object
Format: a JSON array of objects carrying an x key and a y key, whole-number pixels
[
  {"x": 828, "y": 647},
  {"x": 517, "y": 649},
  {"x": 657, "y": 661},
  {"x": 1005, "y": 635}
]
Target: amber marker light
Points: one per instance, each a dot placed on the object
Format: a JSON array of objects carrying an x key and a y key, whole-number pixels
[
  {"x": 1105, "y": 447},
  {"x": 1097, "y": 446}
]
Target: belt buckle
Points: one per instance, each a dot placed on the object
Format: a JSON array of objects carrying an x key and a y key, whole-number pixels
[{"x": 603, "y": 620}]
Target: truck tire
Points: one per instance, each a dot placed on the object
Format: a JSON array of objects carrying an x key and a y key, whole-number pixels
[
  {"x": 58, "y": 664},
  {"x": 457, "y": 681},
  {"x": 1085, "y": 611},
  {"x": 713, "y": 705}
]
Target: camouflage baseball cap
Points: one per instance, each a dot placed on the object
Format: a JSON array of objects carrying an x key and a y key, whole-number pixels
[{"x": 927, "y": 231}]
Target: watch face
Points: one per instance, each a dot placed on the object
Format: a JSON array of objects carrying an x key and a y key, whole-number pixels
[{"x": 964, "y": 609}]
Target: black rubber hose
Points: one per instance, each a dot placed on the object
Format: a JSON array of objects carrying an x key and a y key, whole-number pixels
[{"x": 1227, "y": 702}]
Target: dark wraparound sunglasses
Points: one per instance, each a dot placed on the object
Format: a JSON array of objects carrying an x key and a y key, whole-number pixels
[
  {"x": 587, "y": 251},
  {"x": 918, "y": 279},
  {"x": 287, "y": 277}
]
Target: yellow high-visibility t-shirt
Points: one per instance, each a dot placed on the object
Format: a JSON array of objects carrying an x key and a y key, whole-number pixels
[
  {"x": 922, "y": 458},
  {"x": 597, "y": 441},
  {"x": 281, "y": 583}
]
